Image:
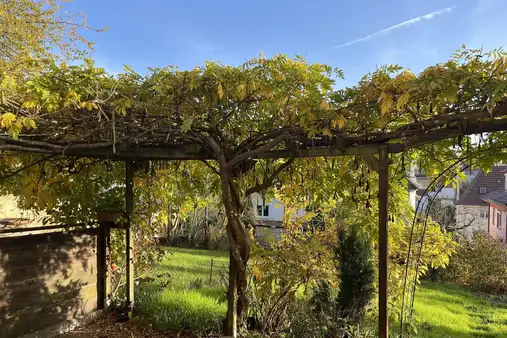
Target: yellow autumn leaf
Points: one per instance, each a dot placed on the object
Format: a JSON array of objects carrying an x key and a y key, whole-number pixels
[
  {"x": 220, "y": 91},
  {"x": 386, "y": 103},
  {"x": 343, "y": 167},
  {"x": 257, "y": 272},
  {"x": 241, "y": 88},
  {"x": 451, "y": 93},
  {"x": 29, "y": 104},
  {"x": 7, "y": 120},
  {"x": 324, "y": 105},
  {"x": 402, "y": 101},
  {"x": 405, "y": 76},
  {"x": 327, "y": 132},
  {"x": 338, "y": 122}
]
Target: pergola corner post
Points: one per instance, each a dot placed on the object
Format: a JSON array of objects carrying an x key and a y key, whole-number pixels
[
  {"x": 383, "y": 240},
  {"x": 103, "y": 263},
  {"x": 129, "y": 248}
]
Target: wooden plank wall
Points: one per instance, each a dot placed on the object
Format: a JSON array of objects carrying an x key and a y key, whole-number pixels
[{"x": 46, "y": 279}]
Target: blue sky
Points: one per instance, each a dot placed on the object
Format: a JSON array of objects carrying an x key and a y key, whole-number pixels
[{"x": 355, "y": 36}]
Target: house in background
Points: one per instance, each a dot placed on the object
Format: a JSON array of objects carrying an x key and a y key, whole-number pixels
[
  {"x": 12, "y": 216},
  {"x": 268, "y": 217},
  {"x": 497, "y": 204},
  {"x": 472, "y": 212},
  {"x": 446, "y": 196}
]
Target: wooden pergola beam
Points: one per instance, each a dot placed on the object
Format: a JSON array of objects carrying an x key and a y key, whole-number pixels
[
  {"x": 171, "y": 152},
  {"x": 190, "y": 152}
]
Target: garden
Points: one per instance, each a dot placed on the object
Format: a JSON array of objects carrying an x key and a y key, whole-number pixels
[
  {"x": 179, "y": 154},
  {"x": 183, "y": 291}
]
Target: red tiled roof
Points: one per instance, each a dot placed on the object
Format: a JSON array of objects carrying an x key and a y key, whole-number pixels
[{"x": 494, "y": 180}]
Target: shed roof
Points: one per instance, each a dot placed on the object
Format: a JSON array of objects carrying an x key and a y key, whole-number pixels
[{"x": 498, "y": 196}]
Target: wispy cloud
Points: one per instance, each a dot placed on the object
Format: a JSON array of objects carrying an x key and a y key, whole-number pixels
[{"x": 428, "y": 16}]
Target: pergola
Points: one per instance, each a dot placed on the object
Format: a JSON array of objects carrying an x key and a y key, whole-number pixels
[
  {"x": 374, "y": 149},
  {"x": 277, "y": 108}
]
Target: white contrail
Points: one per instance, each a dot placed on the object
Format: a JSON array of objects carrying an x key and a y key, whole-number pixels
[{"x": 387, "y": 30}]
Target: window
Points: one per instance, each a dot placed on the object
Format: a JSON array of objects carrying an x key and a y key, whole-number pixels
[
  {"x": 499, "y": 220},
  {"x": 263, "y": 211},
  {"x": 484, "y": 213},
  {"x": 483, "y": 190}
]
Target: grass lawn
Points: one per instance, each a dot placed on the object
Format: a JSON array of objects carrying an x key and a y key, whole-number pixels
[
  {"x": 181, "y": 294},
  {"x": 445, "y": 310}
]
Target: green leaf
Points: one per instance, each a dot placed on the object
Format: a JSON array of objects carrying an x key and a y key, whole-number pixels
[{"x": 186, "y": 125}]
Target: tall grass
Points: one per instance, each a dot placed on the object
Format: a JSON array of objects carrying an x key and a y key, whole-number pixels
[{"x": 186, "y": 291}]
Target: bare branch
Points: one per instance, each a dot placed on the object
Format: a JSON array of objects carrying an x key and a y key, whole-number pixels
[
  {"x": 241, "y": 157},
  {"x": 215, "y": 170},
  {"x": 269, "y": 182}
]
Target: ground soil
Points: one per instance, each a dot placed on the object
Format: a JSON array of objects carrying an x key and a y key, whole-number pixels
[{"x": 110, "y": 326}]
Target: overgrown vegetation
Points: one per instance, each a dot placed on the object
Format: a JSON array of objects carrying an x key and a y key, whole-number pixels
[
  {"x": 441, "y": 310},
  {"x": 291, "y": 266},
  {"x": 340, "y": 313},
  {"x": 479, "y": 263}
]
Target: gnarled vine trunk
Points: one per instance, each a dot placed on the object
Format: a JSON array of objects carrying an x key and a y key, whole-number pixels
[
  {"x": 231, "y": 171},
  {"x": 239, "y": 241}
]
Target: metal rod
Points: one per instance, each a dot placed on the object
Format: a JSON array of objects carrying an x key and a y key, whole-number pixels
[{"x": 383, "y": 241}]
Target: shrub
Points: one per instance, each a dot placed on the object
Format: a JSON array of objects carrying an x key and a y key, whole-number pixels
[
  {"x": 281, "y": 273},
  {"x": 479, "y": 263},
  {"x": 341, "y": 314},
  {"x": 308, "y": 322},
  {"x": 357, "y": 275}
]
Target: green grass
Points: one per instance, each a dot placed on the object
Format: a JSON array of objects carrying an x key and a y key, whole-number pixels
[
  {"x": 181, "y": 295},
  {"x": 445, "y": 310}
]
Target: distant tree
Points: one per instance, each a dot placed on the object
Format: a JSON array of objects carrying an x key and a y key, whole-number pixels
[
  {"x": 444, "y": 214},
  {"x": 32, "y": 31}
]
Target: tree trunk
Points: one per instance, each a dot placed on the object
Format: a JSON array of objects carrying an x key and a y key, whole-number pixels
[
  {"x": 239, "y": 240},
  {"x": 239, "y": 254}
]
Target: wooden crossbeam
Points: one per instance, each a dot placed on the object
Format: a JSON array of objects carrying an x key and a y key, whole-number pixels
[{"x": 183, "y": 152}]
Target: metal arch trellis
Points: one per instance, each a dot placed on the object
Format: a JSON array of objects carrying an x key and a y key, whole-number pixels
[{"x": 410, "y": 289}]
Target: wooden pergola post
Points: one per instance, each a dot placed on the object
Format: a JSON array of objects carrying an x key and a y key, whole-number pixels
[
  {"x": 129, "y": 209},
  {"x": 103, "y": 262},
  {"x": 383, "y": 240}
]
